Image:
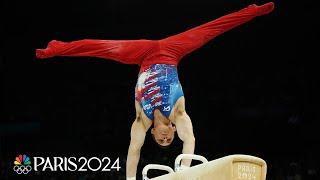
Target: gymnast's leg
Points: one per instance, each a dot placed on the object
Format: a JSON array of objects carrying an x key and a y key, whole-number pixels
[
  {"x": 124, "y": 51},
  {"x": 181, "y": 44}
]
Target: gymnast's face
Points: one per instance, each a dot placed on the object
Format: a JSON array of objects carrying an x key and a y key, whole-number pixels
[{"x": 163, "y": 134}]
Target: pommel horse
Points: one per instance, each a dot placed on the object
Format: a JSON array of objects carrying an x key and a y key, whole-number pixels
[{"x": 233, "y": 167}]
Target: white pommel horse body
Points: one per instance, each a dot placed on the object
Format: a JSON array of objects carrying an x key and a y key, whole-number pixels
[{"x": 233, "y": 167}]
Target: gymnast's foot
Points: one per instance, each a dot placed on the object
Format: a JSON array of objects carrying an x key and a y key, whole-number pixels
[
  {"x": 265, "y": 8},
  {"x": 50, "y": 51}
]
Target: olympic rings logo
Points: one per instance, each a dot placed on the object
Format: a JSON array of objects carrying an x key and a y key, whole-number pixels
[{"x": 22, "y": 169}]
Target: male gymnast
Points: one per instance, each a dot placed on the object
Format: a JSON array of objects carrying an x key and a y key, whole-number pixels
[{"x": 159, "y": 99}]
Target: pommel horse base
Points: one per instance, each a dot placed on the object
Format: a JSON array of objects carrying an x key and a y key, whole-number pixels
[{"x": 233, "y": 167}]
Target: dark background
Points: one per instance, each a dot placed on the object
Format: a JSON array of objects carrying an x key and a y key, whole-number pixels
[{"x": 251, "y": 90}]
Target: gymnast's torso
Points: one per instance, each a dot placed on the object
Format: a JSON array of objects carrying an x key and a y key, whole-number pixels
[{"x": 158, "y": 87}]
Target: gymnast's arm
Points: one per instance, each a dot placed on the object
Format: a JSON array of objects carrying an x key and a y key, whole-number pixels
[
  {"x": 185, "y": 133},
  {"x": 138, "y": 133}
]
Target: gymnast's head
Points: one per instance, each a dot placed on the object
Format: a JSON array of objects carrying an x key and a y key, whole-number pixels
[{"x": 162, "y": 133}]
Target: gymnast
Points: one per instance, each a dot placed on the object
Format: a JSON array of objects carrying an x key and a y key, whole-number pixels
[{"x": 159, "y": 99}]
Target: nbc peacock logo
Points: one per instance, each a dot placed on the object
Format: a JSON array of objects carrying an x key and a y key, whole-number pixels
[{"x": 22, "y": 164}]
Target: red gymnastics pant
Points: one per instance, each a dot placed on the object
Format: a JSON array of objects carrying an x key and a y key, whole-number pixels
[{"x": 147, "y": 52}]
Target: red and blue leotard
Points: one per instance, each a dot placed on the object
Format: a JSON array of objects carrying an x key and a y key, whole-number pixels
[{"x": 158, "y": 86}]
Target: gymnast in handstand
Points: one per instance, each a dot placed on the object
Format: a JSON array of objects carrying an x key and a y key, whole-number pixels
[{"x": 159, "y": 98}]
